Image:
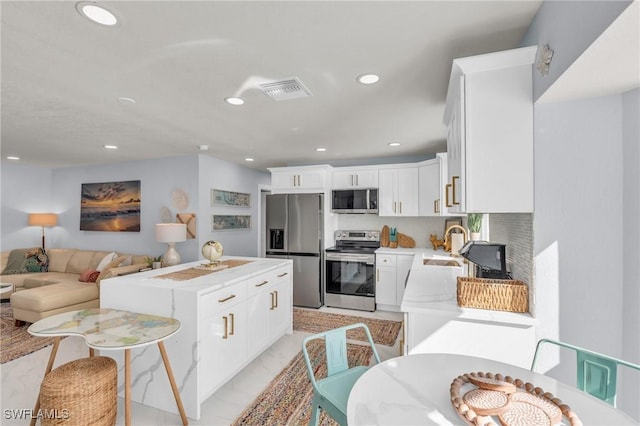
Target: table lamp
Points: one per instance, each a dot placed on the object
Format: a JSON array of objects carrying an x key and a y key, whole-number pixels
[
  {"x": 171, "y": 233},
  {"x": 43, "y": 219}
]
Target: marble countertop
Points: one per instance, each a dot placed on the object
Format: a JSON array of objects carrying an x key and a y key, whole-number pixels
[
  {"x": 421, "y": 275},
  {"x": 211, "y": 281}
]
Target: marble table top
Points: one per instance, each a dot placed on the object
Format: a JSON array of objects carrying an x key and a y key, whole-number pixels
[{"x": 108, "y": 329}]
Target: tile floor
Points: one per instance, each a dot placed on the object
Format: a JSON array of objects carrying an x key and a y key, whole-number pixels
[{"x": 21, "y": 379}]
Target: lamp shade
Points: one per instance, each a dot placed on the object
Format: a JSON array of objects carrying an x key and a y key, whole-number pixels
[
  {"x": 43, "y": 219},
  {"x": 171, "y": 232}
]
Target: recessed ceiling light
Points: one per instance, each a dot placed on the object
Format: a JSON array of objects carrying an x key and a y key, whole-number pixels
[
  {"x": 13, "y": 157},
  {"x": 110, "y": 147},
  {"x": 124, "y": 100},
  {"x": 248, "y": 159},
  {"x": 394, "y": 144},
  {"x": 321, "y": 149},
  {"x": 234, "y": 101},
  {"x": 368, "y": 78},
  {"x": 97, "y": 13}
]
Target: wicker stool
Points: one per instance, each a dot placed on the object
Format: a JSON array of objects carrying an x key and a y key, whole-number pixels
[{"x": 81, "y": 392}]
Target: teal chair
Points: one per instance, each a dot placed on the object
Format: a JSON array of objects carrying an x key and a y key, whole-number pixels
[
  {"x": 596, "y": 373},
  {"x": 331, "y": 393}
]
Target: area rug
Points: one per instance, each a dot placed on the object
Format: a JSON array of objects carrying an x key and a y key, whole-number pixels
[
  {"x": 287, "y": 399},
  {"x": 383, "y": 332},
  {"x": 16, "y": 341}
]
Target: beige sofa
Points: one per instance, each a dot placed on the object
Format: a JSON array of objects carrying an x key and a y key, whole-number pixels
[{"x": 41, "y": 294}]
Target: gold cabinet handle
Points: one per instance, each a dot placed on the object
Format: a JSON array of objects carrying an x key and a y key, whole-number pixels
[
  {"x": 226, "y": 327},
  {"x": 357, "y": 184},
  {"x": 283, "y": 274},
  {"x": 272, "y": 301},
  {"x": 276, "y": 292},
  {"x": 226, "y": 299},
  {"x": 262, "y": 283},
  {"x": 352, "y": 181},
  {"x": 446, "y": 195},
  {"x": 233, "y": 324},
  {"x": 394, "y": 207},
  {"x": 378, "y": 274},
  {"x": 436, "y": 205},
  {"x": 453, "y": 186},
  {"x": 400, "y": 204}
]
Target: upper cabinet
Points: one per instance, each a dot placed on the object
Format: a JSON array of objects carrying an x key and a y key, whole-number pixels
[
  {"x": 300, "y": 179},
  {"x": 489, "y": 114},
  {"x": 347, "y": 178},
  {"x": 432, "y": 176},
  {"x": 398, "y": 191}
]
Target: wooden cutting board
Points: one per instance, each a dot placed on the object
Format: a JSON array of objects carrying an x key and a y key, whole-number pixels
[{"x": 384, "y": 236}]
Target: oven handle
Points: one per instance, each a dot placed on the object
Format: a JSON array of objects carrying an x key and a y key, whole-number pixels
[{"x": 369, "y": 260}]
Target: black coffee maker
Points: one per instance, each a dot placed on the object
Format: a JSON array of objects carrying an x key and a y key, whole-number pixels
[{"x": 489, "y": 259}]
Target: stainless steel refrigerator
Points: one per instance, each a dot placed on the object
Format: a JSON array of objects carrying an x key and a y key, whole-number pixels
[{"x": 295, "y": 228}]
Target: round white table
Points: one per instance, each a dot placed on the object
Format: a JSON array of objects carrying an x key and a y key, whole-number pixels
[
  {"x": 6, "y": 290},
  {"x": 414, "y": 389}
]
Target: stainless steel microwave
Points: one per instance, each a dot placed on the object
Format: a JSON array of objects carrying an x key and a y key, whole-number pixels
[{"x": 354, "y": 200}]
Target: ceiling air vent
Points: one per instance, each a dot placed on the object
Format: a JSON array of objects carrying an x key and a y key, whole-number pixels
[{"x": 283, "y": 90}]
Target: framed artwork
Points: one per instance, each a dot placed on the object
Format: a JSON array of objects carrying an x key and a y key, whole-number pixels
[
  {"x": 188, "y": 219},
  {"x": 230, "y": 222},
  {"x": 110, "y": 206},
  {"x": 451, "y": 222},
  {"x": 230, "y": 198}
]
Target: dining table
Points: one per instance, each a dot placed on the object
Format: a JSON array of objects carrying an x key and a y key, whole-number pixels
[
  {"x": 416, "y": 390},
  {"x": 112, "y": 330}
]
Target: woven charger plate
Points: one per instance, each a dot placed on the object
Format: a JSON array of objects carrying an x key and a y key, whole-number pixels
[
  {"x": 487, "y": 402},
  {"x": 544, "y": 404}
]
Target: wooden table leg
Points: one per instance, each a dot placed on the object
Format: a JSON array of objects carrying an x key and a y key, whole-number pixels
[
  {"x": 52, "y": 357},
  {"x": 174, "y": 388},
  {"x": 127, "y": 387}
]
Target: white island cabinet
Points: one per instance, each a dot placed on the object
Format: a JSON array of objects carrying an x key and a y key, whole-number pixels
[{"x": 228, "y": 318}]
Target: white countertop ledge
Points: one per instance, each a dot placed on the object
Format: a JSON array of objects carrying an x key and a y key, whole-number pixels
[{"x": 450, "y": 307}]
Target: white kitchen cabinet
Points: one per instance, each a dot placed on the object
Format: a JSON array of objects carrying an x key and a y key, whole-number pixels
[
  {"x": 432, "y": 177},
  {"x": 300, "y": 179},
  {"x": 228, "y": 318},
  {"x": 348, "y": 178},
  {"x": 391, "y": 276},
  {"x": 269, "y": 309},
  {"x": 489, "y": 114},
  {"x": 224, "y": 336},
  {"x": 398, "y": 191}
]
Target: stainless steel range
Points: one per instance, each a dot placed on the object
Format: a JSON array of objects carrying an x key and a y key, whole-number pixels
[{"x": 350, "y": 270}]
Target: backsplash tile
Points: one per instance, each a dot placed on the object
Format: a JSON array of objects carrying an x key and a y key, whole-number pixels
[{"x": 516, "y": 231}]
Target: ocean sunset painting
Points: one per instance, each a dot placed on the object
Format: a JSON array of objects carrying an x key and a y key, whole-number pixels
[{"x": 110, "y": 206}]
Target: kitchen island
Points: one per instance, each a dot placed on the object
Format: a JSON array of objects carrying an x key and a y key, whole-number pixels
[
  {"x": 434, "y": 323},
  {"x": 229, "y": 317}
]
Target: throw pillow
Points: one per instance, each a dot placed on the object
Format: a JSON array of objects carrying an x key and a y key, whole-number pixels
[
  {"x": 113, "y": 264},
  {"x": 106, "y": 260},
  {"x": 89, "y": 276}
]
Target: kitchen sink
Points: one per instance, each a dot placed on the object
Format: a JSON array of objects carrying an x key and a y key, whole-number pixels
[{"x": 440, "y": 262}]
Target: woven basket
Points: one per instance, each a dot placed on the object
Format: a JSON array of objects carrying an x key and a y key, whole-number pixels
[
  {"x": 81, "y": 392},
  {"x": 493, "y": 294}
]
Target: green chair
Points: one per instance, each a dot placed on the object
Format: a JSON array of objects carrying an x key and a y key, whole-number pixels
[
  {"x": 596, "y": 373},
  {"x": 331, "y": 393}
]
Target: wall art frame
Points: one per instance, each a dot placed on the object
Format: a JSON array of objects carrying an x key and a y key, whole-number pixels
[
  {"x": 224, "y": 198},
  {"x": 110, "y": 206},
  {"x": 230, "y": 222}
]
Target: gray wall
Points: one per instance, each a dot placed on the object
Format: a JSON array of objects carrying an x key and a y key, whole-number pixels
[
  {"x": 569, "y": 27},
  {"x": 25, "y": 189},
  {"x": 630, "y": 247},
  {"x": 34, "y": 189}
]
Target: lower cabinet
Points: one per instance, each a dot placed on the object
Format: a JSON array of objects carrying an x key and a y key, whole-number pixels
[
  {"x": 442, "y": 333},
  {"x": 223, "y": 330},
  {"x": 391, "y": 276}
]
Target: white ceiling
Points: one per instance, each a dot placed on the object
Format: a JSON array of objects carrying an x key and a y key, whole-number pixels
[{"x": 62, "y": 76}]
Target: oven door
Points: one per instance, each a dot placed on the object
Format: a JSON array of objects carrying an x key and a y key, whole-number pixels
[{"x": 350, "y": 274}]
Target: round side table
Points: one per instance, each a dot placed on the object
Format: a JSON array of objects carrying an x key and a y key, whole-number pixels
[{"x": 6, "y": 290}]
